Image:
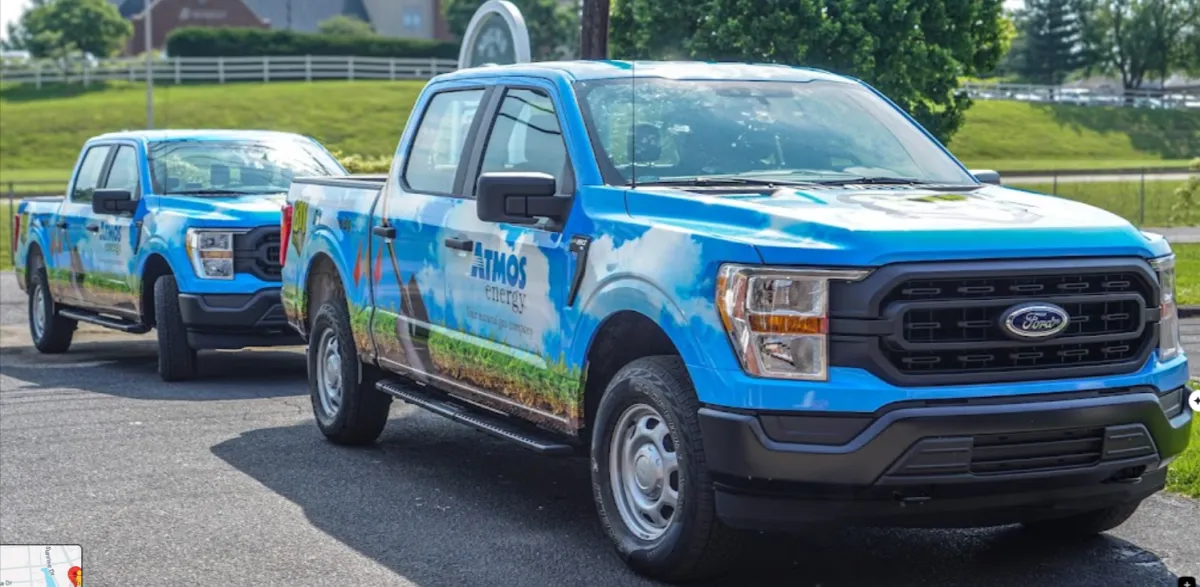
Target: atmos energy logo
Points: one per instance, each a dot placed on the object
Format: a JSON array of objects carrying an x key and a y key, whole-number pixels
[{"x": 505, "y": 273}]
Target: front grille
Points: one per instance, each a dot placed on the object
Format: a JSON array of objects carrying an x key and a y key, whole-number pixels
[
  {"x": 933, "y": 324},
  {"x": 1033, "y": 451},
  {"x": 257, "y": 253}
]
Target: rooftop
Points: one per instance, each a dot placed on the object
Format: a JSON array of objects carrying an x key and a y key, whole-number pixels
[
  {"x": 200, "y": 135},
  {"x": 588, "y": 70}
]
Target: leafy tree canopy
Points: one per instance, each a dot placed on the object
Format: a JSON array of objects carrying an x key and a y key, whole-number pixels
[
  {"x": 914, "y": 51},
  {"x": 55, "y": 28}
]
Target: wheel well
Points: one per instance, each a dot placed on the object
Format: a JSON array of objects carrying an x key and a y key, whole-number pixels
[
  {"x": 156, "y": 266},
  {"x": 322, "y": 282},
  {"x": 34, "y": 249},
  {"x": 621, "y": 339}
]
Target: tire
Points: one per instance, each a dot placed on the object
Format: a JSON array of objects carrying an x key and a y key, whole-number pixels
[
  {"x": 348, "y": 408},
  {"x": 51, "y": 333},
  {"x": 176, "y": 360},
  {"x": 1085, "y": 524},
  {"x": 694, "y": 544}
]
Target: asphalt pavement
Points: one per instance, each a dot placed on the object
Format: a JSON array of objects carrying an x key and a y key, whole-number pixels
[{"x": 226, "y": 481}]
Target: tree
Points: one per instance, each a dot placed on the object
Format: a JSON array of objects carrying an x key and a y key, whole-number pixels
[
  {"x": 1135, "y": 38},
  {"x": 346, "y": 26},
  {"x": 914, "y": 51},
  {"x": 1052, "y": 47},
  {"x": 553, "y": 25},
  {"x": 54, "y": 28}
]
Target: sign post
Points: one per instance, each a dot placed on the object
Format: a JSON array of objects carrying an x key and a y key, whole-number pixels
[{"x": 496, "y": 35}]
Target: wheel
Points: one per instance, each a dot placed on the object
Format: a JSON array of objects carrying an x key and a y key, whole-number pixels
[
  {"x": 651, "y": 484},
  {"x": 176, "y": 360},
  {"x": 349, "y": 409},
  {"x": 1086, "y": 523},
  {"x": 51, "y": 333}
]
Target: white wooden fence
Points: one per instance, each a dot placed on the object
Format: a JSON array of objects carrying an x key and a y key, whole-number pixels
[{"x": 226, "y": 69}]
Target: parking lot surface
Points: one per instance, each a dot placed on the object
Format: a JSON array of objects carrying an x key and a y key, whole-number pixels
[{"x": 226, "y": 481}]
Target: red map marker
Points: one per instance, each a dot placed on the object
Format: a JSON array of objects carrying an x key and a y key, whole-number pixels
[{"x": 75, "y": 574}]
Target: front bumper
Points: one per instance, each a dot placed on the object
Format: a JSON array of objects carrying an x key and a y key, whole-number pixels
[
  {"x": 969, "y": 462},
  {"x": 234, "y": 321}
]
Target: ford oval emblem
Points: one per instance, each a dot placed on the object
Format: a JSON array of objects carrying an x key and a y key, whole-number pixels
[{"x": 1033, "y": 321}]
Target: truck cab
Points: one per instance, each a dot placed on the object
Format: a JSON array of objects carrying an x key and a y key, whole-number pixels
[
  {"x": 176, "y": 231},
  {"x": 756, "y": 297}
]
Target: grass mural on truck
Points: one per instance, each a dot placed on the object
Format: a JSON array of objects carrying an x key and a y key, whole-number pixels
[{"x": 555, "y": 388}]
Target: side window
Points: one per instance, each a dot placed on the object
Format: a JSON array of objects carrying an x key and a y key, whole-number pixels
[
  {"x": 526, "y": 136},
  {"x": 433, "y": 159},
  {"x": 88, "y": 178},
  {"x": 124, "y": 172}
]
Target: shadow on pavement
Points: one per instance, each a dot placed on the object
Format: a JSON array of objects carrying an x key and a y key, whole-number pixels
[
  {"x": 129, "y": 368},
  {"x": 440, "y": 504}
]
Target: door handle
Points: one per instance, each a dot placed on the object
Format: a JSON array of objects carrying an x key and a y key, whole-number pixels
[
  {"x": 384, "y": 231},
  {"x": 61, "y": 224},
  {"x": 461, "y": 244},
  {"x": 93, "y": 228}
]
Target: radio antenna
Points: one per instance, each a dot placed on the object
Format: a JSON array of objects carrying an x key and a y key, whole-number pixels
[{"x": 633, "y": 123}]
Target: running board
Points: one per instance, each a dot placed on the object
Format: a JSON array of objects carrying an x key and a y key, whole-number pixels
[
  {"x": 463, "y": 413},
  {"x": 105, "y": 321}
]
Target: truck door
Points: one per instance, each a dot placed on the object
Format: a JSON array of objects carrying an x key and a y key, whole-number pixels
[
  {"x": 115, "y": 240},
  {"x": 72, "y": 245},
  {"x": 408, "y": 295},
  {"x": 507, "y": 284}
]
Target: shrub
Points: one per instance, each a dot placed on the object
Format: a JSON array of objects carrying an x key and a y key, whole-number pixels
[
  {"x": 251, "y": 42},
  {"x": 355, "y": 163},
  {"x": 1186, "y": 210}
]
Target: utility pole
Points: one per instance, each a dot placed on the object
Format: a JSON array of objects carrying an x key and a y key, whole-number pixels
[
  {"x": 148, "y": 29},
  {"x": 593, "y": 38}
]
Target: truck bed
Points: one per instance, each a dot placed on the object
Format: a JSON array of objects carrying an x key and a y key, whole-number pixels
[{"x": 365, "y": 181}]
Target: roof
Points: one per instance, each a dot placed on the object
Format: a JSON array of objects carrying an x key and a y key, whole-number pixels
[
  {"x": 589, "y": 70},
  {"x": 156, "y": 136},
  {"x": 305, "y": 15}
]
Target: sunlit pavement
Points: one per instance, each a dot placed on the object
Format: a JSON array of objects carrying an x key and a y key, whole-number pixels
[{"x": 226, "y": 481}]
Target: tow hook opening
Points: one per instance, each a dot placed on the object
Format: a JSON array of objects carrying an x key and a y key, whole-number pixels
[
  {"x": 911, "y": 497},
  {"x": 1128, "y": 475}
]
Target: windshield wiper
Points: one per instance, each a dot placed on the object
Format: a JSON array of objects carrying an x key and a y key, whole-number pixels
[
  {"x": 883, "y": 180},
  {"x": 722, "y": 181},
  {"x": 216, "y": 192}
]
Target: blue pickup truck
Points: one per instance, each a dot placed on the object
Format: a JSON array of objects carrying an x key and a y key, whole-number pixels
[
  {"x": 172, "y": 230},
  {"x": 757, "y": 297}
]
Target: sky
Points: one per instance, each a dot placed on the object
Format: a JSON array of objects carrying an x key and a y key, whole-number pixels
[{"x": 11, "y": 10}]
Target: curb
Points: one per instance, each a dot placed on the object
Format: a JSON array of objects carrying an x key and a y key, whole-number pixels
[{"x": 1189, "y": 311}]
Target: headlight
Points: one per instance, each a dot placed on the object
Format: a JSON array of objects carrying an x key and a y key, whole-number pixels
[
  {"x": 1170, "y": 344},
  {"x": 777, "y": 319},
  {"x": 211, "y": 253}
]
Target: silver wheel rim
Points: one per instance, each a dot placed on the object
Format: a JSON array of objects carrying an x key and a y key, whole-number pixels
[
  {"x": 643, "y": 465},
  {"x": 39, "y": 312},
  {"x": 329, "y": 373}
]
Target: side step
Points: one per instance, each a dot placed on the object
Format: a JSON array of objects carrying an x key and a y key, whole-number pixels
[
  {"x": 105, "y": 321},
  {"x": 496, "y": 425}
]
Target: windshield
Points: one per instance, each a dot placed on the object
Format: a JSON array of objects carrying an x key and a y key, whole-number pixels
[
  {"x": 782, "y": 131},
  {"x": 235, "y": 167}
]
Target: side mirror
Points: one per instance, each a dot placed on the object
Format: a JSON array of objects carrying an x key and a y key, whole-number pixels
[
  {"x": 987, "y": 176},
  {"x": 519, "y": 198},
  {"x": 113, "y": 202}
]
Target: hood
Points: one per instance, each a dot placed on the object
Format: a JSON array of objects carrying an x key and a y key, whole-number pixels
[
  {"x": 232, "y": 211},
  {"x": 875, "y": 225}
]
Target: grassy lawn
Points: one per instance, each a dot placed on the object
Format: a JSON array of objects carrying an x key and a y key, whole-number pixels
[
  {"x": 1013, "y": 136},
  {"x": 1119, "y": 197},
  {"x": 1187, "y": 273},
  {"x": 43, "y": 130},
  {"x": 6, "y": 234},
  {"x": 1184, "y": 474}
]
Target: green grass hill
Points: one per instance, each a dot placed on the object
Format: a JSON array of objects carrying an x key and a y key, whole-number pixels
[{"x": 41, "y": 130}]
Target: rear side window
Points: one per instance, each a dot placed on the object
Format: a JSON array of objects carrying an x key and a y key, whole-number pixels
[
  {"x": 433, "y": 160},
  {"x": 124, "y": 173},
  {"x": 88, "y": 178}
]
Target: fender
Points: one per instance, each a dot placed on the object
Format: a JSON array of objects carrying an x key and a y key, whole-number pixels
[
  {"x": 631, "y": 293},
  {"x": 319, "y": 242}
]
